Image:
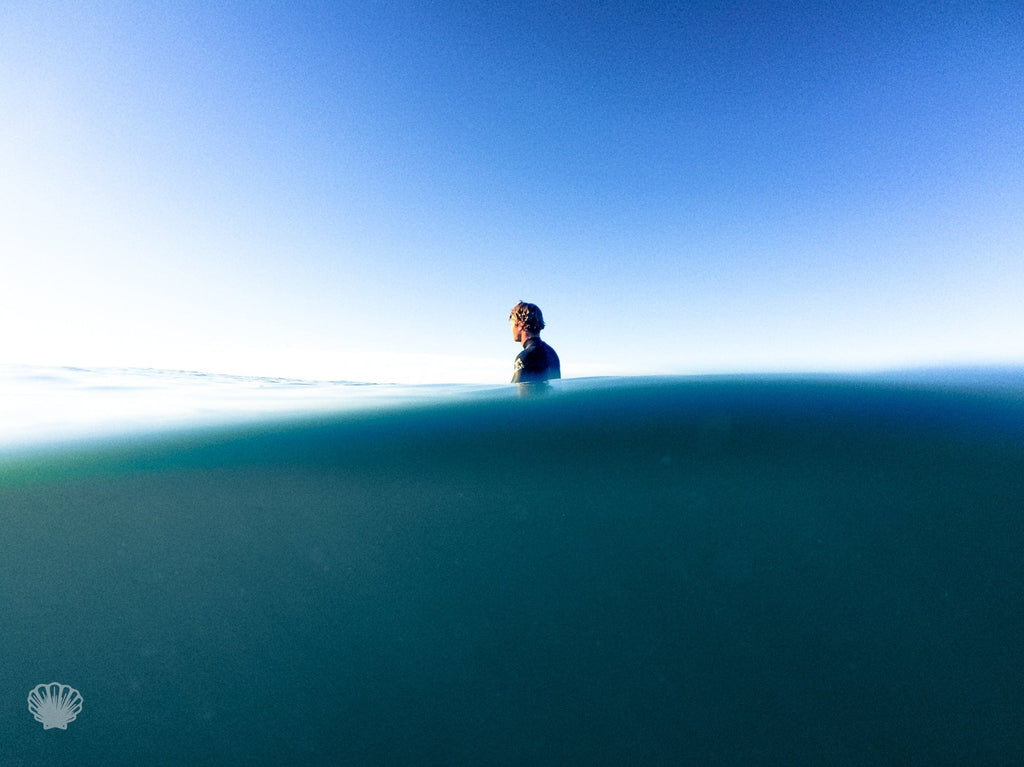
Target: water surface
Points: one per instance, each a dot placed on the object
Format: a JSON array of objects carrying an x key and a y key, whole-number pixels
[{"x": 741, "y": 570}]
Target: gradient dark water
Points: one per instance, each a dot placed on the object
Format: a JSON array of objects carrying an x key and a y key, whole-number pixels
[{"x": 730, "y": 571}]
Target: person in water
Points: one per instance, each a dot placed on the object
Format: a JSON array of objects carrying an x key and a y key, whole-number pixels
[{"x": 537, "y": 361}]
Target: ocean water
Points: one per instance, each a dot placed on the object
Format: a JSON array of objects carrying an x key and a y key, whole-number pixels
[{"x": 707, "y": 570}]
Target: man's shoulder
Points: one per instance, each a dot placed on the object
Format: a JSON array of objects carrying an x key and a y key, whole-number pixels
[
  {"x": 534, "y": 348},
  {"x": 536, "y": 343},
  {"x": 536, "y": 362},
  {"x": 545, "y": 349},
  {"x": 539, "y": 355}
]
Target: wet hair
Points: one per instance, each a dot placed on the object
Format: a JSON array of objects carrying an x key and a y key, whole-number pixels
[{"x": 529, "y": 315}]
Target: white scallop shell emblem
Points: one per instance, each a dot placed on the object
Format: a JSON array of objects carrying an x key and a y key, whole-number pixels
[{"x": 55, "y": 704}]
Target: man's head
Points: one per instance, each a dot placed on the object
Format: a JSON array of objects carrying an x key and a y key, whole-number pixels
[{"x": 526, "y": 321}]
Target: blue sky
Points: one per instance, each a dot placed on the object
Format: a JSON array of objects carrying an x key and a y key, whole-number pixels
[{"x": 362, "y": 190}]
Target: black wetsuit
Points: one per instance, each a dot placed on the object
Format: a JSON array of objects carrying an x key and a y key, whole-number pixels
[{"x": 536, "y": 362}]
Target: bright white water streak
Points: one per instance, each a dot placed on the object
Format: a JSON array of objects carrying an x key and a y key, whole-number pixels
[
  {"x": 42, "y": 406},
  {"x": 46, "y": 406}
]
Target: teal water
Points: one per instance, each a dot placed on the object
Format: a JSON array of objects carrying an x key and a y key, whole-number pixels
[{"x": 662, "y": 571}]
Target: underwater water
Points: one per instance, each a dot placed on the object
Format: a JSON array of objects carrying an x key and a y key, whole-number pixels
[{"x": 739, "y": 570}]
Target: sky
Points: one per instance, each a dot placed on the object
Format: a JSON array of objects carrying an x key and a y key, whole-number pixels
[{"x": 362, "y": 190}]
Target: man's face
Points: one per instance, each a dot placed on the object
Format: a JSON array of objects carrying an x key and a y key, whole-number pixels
[{"x": 517, "y": 330}]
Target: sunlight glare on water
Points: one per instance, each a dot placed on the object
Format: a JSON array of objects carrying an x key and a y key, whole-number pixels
[{"x": 51, "y": 404}]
